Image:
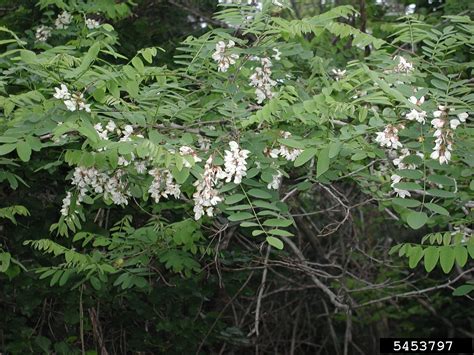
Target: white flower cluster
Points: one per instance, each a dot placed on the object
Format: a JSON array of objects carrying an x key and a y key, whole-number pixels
[
  {"x": 289, "y": 154},
  {"x": 43, "y": 33},
  {"x": 222, "y": 57},
  {"x": 206, "y": 195},
  {"x": 188, "y": 151},
  {"x": 163, "y": 185},
  {"x": 400, "y": 193},
  {"x": 257, "y": 3},
  {"x": 112, "y": 186},
  {"x": 141, "y": 167},
  {"x": 63, "y": 20},
  {"x": 276, "y": 181},
  {"x": 204, "y": 143},
  {"x": 398, "y": 161},
  {"x": 111, "y": 127},
  {"x": 403, "y": 65},
  {"x": 66, "y": 204},
  {"x": 73, "y": 102},
  {"x": 104, "y": 133},
  {"x": 235, "y": 163},
  {"x": 261, "y": 80},
  {"x": 389, "y": 137},
  {"x": 444, "y": 133},
  {"x": 277, "y": 55},
  {"x": 338, "y": 74},
  {"x": 91, "y": 23},
  {"x": 414, "y": 114}
]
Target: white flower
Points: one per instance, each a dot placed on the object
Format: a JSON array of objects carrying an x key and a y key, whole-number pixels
[
  {"x": 277, "y": 55},
  {"x": 128, "y": 130},
  {"x": 403, "y": 65},
  {"x": 63, "y": 20},
  {"x": 261, "y": 96},
  {"x": 204, "y": 143},
  {"x": 416, "y": 101},
  {"x": 276, "y": 181},
  {"x": 76, "y": 102},
  {"x": 463, "y": 116},
  {"x": 437, "y": 123},
  {"x": 62, "y": 93},
  {"x": 70, "y": 105},
  {"x": 92, "y": 24},
  {"x": 111, "y": 126},
  {"x": 122, "y": 161},
  {"x": 289, "y": 154},
  {"x": 398, "y": 162},
  {"x": 274, "y": 153},
  {"x": 140, "y": 167},
  {"x": 222, "y": 57},
  {"x": 454, "y": 123},
  {"x": 112, "y": 186},
  {"x": 235, "y": 163},
  {"x": 389, "y": 137},
  {"x": 126, "y": 133},
  {"x": 262, "y": 82},
  {"x": 100, "y": 131},
  {"x": 444, "y": 135},
  {"x": 206, "y": 196},
  {"x": 338, "y": 74},
  {"x": 401, "y": 193},
  {"x": 184, "y": 151},
  {"x": 163, "y": 185},
  {"x": 66, "y": 204},
  {"x": 42, "y": 33},
  {"x": 416, "y": 115}
]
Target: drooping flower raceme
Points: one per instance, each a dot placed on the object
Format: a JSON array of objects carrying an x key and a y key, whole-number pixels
[
  {"x": 223, "y": 57},
  {"x": 63, "y": 20},
  {"x": 444, "y": 133},
  {"x": 111, "y": 185},
  {"x": 235, "y": 163},
  {"x": 43, "y": 33},
  {"x": 206, "y": 196},
  {"x": 261, "y": 80},
  {"x": 66, "y": 204},
  {"x": 389, "y": 137},
  {"x": 163, "y": 185}
]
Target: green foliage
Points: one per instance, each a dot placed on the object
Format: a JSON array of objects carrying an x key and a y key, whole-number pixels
[{"x": 153, "y": 162}]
